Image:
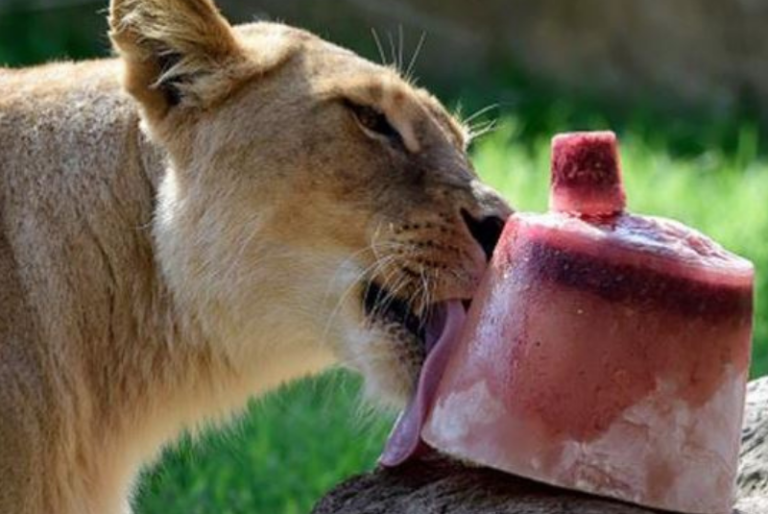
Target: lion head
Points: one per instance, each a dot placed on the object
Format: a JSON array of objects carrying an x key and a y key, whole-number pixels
[{"x": 315, "y": 206}]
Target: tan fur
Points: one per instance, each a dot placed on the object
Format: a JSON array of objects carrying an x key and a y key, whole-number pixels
[{"x": 166, "y": 254}]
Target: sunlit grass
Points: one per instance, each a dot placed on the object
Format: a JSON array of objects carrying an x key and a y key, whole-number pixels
[
  {"x": 294, "y": 445},
  {"x": 288, "y": 449}
]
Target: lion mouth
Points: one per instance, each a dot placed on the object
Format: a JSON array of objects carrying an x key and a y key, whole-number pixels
[
  {"x": 382, "y": 307},
  {"x": 438, "y": 332}
]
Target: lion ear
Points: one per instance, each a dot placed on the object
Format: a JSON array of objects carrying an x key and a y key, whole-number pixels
[{"x": 177, "y": 53}]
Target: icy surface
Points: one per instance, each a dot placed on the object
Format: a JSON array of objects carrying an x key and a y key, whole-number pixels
[
  {"x": 660, "y": 452},
  {"x": 604, "y": 352},
  {"x": 658, "y": 242},
  {"x": 608, "y": 388}
]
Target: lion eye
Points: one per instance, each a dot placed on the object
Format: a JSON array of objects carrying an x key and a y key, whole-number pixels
[{"x": 374, "y": 121}]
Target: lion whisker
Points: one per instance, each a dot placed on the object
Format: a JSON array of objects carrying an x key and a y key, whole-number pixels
[
  {"x": 378, "y": 46},
  {"x": 415, "y": 56},
  {"x": 488, "y": 128},
  {"x": 479, "y": 113},
  {"x": 354, "y": 283},
  {"x": 401, "y": 38},
  {"x": 392, "y": 50}
]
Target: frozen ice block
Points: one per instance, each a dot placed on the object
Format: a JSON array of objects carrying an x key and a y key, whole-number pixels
[{"x": 604, "y": 352}]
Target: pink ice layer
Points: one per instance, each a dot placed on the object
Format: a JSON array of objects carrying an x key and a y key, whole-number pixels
[{"x": 609, "y": 356}]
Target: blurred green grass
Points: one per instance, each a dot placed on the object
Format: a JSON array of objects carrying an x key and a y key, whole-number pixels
[
  {"x": 292, "y": 446},
  {"x": 287, "y": 450}
]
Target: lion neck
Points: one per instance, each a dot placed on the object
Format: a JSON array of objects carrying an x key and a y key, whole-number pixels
[{"x": 161, "y": 371}]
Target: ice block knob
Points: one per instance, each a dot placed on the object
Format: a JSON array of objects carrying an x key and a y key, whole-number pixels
[{"x": 586, "y": 175}]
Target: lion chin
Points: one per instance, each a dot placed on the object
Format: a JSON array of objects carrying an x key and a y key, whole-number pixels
[{"x": 214, "y": 212}]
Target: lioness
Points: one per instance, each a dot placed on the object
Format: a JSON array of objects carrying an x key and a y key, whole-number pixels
[{"x": 216, "y": 212}]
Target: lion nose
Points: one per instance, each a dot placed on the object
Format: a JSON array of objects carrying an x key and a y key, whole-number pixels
[{"x": 486, "y": 230}]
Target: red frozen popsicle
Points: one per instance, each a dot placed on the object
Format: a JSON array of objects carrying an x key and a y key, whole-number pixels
[{"x": 604, "y": 351}]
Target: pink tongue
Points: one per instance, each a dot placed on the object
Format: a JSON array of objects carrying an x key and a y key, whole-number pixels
[{"x": 405, "y": 439}]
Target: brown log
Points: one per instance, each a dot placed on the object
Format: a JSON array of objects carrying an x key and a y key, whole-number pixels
[{"x": 438, "y": 485}]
